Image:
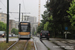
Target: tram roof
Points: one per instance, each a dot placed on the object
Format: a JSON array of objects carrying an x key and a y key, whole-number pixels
[{"x": 24, "y": 21}]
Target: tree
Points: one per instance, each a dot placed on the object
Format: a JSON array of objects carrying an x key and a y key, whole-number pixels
[
  {"x": 46, "y": 26},
  {"x": 41, "y": 27},
  {"x": 14, "y": 31},
  {"x": 71, "y": 16},
  {"x": 72, "y": 13},
  {"x": 58, "y": 10},
  {"x": 2, "y": 26},
  {"x": 55, "y": 17}
]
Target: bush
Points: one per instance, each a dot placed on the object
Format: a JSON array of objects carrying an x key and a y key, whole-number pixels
[
  {"x": 2, "y": 26},
  {"x": 14, "y": 31}
]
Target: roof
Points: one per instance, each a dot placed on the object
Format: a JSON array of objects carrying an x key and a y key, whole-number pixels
[{"x": 3, "y": 13}]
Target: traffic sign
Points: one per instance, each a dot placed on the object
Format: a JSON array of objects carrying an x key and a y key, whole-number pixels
[{"x": 66, "y": 28}]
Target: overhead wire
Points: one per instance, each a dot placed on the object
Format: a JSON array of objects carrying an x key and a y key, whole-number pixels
[
  {"x": 3, "y": 4},
  {"x": 6, "y": 9}
]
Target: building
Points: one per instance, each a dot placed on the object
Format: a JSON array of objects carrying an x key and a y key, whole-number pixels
[
  {"x": 3, "y": 17},
  {"x": 32, "y": 20},
  {"x": 16, "y": 24},
  {"x": 12, "y": 24}
]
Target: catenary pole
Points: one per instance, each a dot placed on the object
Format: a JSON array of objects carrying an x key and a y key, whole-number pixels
[
  {"x": 19, "y": 11},
  {"x": 22, "y": 16},
  {"x": 7, "y": 36}
]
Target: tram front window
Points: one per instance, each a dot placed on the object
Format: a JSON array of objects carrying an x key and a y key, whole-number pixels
[{"x": 24, "y": 28}]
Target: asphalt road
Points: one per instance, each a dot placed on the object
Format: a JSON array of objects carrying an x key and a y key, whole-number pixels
[
  {"x": 39, "y": 44},
  {"x": 49, "y": 44}
]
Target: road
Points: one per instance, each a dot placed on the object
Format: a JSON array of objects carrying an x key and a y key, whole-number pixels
[
  {"x": 39, "y": 44},
  {"x": 50, "y": 45},
  {"x": 59, "y": 44}
]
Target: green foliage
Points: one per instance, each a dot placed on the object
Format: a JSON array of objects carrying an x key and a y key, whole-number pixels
[
  {"x": 55, "y": 18},
  {"x": 46, "y": 26},
  {"x": 34, "y": 33},
  {"x": 72, "y": 13},
  {"x": 45, "y": 16},
  {"x": 51, "y": 17},
  {"x": 41, "y": 27},
  {"x": 15, "y": 31},
  {"x": 2, "y": 26}
]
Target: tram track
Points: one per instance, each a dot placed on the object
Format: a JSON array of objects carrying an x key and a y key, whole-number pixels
[
  {"x": 16, "y": 44},
  {"x": 12, "y": 45},
  {"x": 26, "y": 45}
]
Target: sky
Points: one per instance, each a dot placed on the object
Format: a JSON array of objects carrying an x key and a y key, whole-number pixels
[{"x": 27, "y": 6}]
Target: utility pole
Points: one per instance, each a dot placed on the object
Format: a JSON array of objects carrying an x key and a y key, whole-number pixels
[
  {"x": 22, "y": 16},
  {"x": 7, "y": 37},
  {"x": 19, "y": 11}
]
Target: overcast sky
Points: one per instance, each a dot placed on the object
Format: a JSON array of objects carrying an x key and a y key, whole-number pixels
[{"x": 26, "y": 6}]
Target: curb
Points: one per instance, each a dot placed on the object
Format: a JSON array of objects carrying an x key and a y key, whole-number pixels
[{"x": 34, "y": 44}]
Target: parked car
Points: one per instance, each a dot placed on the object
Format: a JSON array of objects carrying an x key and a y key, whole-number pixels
[
  {"x": 10, "y": 35},
  {"x": 44, "y": 34},
  {"x": 2, "y": 33},
  {"x": 14, "y": 35}
]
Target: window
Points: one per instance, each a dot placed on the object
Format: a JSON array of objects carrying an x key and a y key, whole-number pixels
[
  {"x": 2, "y": 15},
  {"x": 2, "y": 19},
  {"x": 24, "y": 28}
]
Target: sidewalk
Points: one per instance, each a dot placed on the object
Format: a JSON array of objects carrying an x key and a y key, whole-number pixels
[
  {"x": 67, "y": 44},
  {"x": 60, "y": 39}
]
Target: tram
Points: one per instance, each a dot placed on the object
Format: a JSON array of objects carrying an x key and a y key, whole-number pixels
[{"x": 24, "y": 30}]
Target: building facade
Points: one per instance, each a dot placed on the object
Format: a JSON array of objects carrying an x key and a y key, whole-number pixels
[
  {"x": 33, "y": 22},
  {"x": 12, "y": 24},
  {"x": 3, "y": 17},
  {"x": 16, "y": 24}
]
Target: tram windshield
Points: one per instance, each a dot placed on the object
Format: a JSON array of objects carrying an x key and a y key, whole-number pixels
[{"x": 24, "y": 28}]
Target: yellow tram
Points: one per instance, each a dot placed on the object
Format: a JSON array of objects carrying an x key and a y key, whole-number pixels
[{"x": 24, "y": 30}]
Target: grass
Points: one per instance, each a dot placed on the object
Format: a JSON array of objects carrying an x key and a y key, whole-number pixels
[
  {"x": 4, "y": 45},
  {"x": 30, "y": 46},
  {"x": 19, "y": 46}
]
